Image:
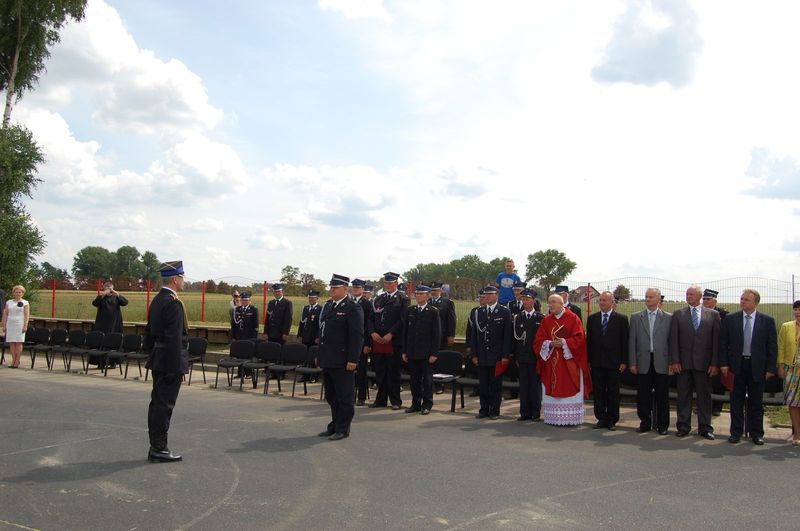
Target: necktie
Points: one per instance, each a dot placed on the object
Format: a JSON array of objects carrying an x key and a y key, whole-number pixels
[
  {"x": 652, "y": 318},
  {"x": 695, "y": 318},
  {"x": 605, "y": 323},
  {"x": 748, "y": 335}
]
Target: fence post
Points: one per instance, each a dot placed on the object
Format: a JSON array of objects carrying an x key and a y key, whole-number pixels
[
  {"x": 147, "y": 304},
  {"x": 410, "y": 289},
  {"x": 53, "y": 303},
  {"x": 203, "y": 302},
  {"x": 99, "y": 284},
  {"x": 264, "y": 304},
  {"x": 588, "y": 299}
]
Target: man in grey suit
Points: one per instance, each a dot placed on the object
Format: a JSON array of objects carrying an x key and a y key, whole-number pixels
[
  {"x": 648, "y": 358},
  {"x": 693, "y": 347}
]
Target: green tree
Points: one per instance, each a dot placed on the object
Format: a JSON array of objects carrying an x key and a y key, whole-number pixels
[
  {"x": 548, "y": 268},
  {"x": 150, "y": 265},
  {"x": 28, "y": 29},
  {"x": 127, "y": 262},
  {"x": 19, "y": 158},
  {"x": 290, "y": 278},
  {"x": 93, "y": 262},
  {"x": 621, "y": 293}
]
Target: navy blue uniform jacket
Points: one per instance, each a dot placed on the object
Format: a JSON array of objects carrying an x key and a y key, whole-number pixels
[
  {"x": 491, "y": 334},
  {"x": 165, "y": 335},
  {"x": 341, "y": 334}
]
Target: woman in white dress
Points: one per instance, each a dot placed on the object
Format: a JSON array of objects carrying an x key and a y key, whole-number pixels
[{"x": 15, "y": 323}]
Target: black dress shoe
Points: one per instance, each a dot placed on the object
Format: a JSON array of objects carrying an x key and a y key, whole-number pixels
[
  {"x": 374, "y": 405},
  {"x": 682, "y": 433},
  {"x": 758, "y": 441},
  {"x": 361, "y": 402},
  {"x": 325, "y": 433},
  {"x": 396, "y": 407},
  {"x": 642, "y": 429},
  {"x": 536, "y": 419},
  {"x": 481, "y": 415},
  {"x": 611, "y": 427},
  {"x": 521, "y": 419},
  {"x": 734, "y": 439},
  {"x": 425, "y": 411},
  {"x": 600, "y": 424},
  {"x": 338, "y": 436},
  {"x": 494, "y": 416},
  {"x": 411, "y": 409},
  {"x": 707, "y": 435},
  {"x": 662, "y": 431},
  {"x": 162, "y": 456}
]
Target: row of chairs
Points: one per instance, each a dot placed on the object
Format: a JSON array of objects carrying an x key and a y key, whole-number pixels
[{"x": 104, "y": 350}]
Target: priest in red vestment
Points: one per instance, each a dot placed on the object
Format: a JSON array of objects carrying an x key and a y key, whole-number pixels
[{"x": 562, "y": 364}]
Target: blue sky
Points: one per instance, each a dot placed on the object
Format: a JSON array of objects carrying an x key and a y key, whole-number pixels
[{"x": 360, "y": 136}]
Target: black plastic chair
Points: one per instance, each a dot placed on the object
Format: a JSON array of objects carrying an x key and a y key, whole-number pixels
[
  {"x": 197, "y": 352},
  {"x": 281, "y": 366},
  {"x": 39, "y": 342},
  {"x": 131, "y": 344},
  {"x": 92, "y": 341},
  {"x": 309, "y": 368},
  {"x": 266, "y": 354},
  {"x": 28, "y": 333},
  {"x": 138, "y": 357},
  {"x": 58, "y": 338},
  {"x": 447, "y": 370},
  {"x": 99, "y": 356},
  {"x": 470, "y": 379},
  {"x": 75, "y": 339},
  {"x": 241, "y": 351}
]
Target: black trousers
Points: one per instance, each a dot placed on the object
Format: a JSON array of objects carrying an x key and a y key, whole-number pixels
[
  {"x": 361, "y": 377},
  {"x": 700, "y": 382},
  {"x": 605, "y": 390},
  {"x": 166, "y": 386},
  {"x": 340, "y": 395},
  {"x": 743, "y": 384},
  {"x": 490, "y": 390},
  {"x": 530, "y": 391},
  {"x": 421, "y": 373},
  {"x": 387, "y": 376},
  {"x": 652, "y": 386}
]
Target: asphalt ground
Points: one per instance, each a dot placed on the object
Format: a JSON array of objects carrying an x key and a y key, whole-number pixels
[{"x": 73, "y": 456}]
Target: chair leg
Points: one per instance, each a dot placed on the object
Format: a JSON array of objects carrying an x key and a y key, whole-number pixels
[
  {"x": 191, "y": 368},
  {"x": 294, "y": 384},
  {"x": 461, "y": 388},
  {"x": 279, "y": 382},
  {"x": 127, "y": 363},
  {"x": 33, "y": 357},
  {"x": 453, "y": 399},
  {"x": 203, "y": 366},
  {"x": 266, "y": 381},
  {"x": 146, "y": 373},
  {"x": 216, "y": 380},
  {"x": 305, "y": 388}
]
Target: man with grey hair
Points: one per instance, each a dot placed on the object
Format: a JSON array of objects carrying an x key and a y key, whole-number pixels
[
  {"x": 607, "y": 346},
  {"x": 693, "y": 350},
  {"x": 648, "y": 357}
]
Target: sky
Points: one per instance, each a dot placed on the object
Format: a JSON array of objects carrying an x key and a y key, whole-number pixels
[{"x": 655, "y": 138}]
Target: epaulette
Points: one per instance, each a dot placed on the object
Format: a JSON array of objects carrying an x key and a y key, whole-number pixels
[{"x": 173, "y": 296}]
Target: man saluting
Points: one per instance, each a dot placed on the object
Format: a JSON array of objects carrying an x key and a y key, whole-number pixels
[{"x": 166, "y": 337}]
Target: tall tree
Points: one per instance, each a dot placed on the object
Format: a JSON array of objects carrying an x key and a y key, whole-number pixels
[
  {"x": 548, "y": 268},
  {"x": 127, "y": 262},
  {"x": 93, "y": 262},
  {"x": 290, "y": 278},
  {"x": 150, "y": 265},
  {"x": 622, "y": 293},
  {"x": 28, "y": 29}
]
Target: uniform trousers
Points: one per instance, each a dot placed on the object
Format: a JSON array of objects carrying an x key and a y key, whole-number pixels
[
  {"x": 340, "y": 395},
  {"x": 743, "y": 384},
  {"x": 421, "y": 373},
  {"x": 530, "y": 391},
  {"x": 166, "y": 386},
  {"x": 700, "y": 383},
  {"x": 645, "y": 394},
  {"x": 605, "y": 391},
  {"x": 387, "y": 376},
  {"x": 490, "y": 389},
  {"x": 361, "y": 377}
]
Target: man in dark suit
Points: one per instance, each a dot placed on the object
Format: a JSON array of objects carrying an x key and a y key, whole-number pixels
[
  {"x": 574, "y": 308},
  {"x": 447, "y": 315},
  {"x": 693, "y": 349},
  {"x": 421, "y": 337},
  {"x": 340, "y": 340},
  {"x": 648, "y": 358},
  {"x": 357, "y": 292},
  {"x": 279, "y": 316},
  {"x": 387, "y": 342},
  {"x": 749, "y": 349},
  {"x": 607, "y": 345},
  {"x": 710, "y": 302},
  {"x": 166, "y": 339},
  {"x": 109, "y": 309},
  {"x": 244, "y": 322},
  {"x": 525, "y": 325},
  {"x": 308, "y": 329},
  {"x": 490, "y": 343}
]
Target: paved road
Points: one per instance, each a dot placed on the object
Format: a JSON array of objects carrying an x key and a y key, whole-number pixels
[{"x": 73, "y": 447}]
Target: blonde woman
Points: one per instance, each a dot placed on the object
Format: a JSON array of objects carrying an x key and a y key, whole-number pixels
[
  {"x": 15, "y": 323},
  {"x": 789, "y": 369}
]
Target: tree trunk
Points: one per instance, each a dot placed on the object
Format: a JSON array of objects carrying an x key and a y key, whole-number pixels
[{"x": 13, "y": 74}]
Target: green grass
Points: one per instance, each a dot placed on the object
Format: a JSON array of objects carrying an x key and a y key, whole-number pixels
[{"x": 78, "y": 305}]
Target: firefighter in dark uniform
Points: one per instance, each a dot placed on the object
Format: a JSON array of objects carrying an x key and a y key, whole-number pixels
[
  {"x": 166, "y": 339},
  {"x": 490, "y": 343},
  {"x": 368, "y": 290},
  {"x": 515, "y": 306},
  {"x": 387, "y": 342},
  {"x": 421, "y": 338},
  {"x": 526, "y": 324},
  {"x": 341, "y": 337},
  {"x": 279, "y": 316},
  {"x": 244, "y": 322},
  {"x": 574, "y": 308},
  {"x": 308, "y": 330},
  {"x": 357, "y": 292},
  {"x": 710, "y": 302}
]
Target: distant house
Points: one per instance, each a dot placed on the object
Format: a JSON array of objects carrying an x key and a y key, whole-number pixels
[{"x": 579, "y": 294}]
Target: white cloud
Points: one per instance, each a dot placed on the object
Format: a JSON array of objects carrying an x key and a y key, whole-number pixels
[
  {"x": 264, "y": 238},
  {"x": 356, "y": 9},
  {"x": 775, "y": 176},
  {"x": 206, "y": 225}
]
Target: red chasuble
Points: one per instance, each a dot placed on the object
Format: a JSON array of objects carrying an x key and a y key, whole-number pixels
[{"x": 561, "y": 377}]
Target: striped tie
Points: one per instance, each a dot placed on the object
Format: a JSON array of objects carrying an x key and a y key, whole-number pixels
[
  {"x": 695, "y": 318},
  {"x": 605, "y": 323}
]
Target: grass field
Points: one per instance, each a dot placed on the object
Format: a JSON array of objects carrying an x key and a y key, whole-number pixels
[{"x": 78, "y": 305}]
